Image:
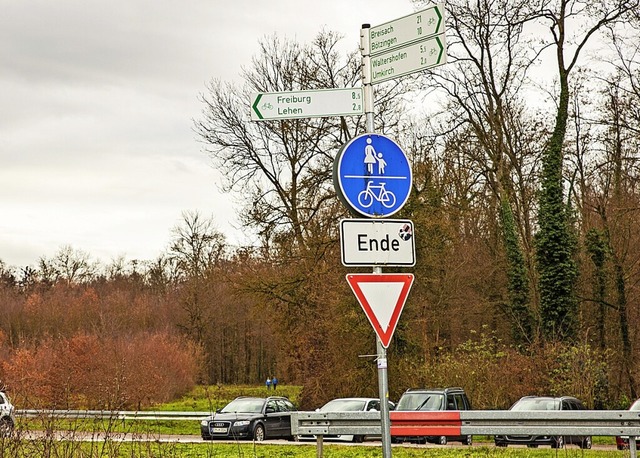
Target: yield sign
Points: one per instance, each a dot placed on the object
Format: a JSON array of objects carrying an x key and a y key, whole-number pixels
[{"x": 382, "y": 297}]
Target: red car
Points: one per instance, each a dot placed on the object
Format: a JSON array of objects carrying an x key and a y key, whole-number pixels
[{"x": 622, "y": 442}]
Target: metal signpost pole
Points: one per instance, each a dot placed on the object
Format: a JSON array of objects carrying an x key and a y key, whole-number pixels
[
  {"x": 383, "y": 383},
  {"x": 366, "y": 76}
]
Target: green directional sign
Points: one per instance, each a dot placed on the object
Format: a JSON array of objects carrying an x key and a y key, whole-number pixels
[
  {"x": 267, "y": 106},
  {"x": 405, "y": 30},
  {"x": 409, "y": 59}
]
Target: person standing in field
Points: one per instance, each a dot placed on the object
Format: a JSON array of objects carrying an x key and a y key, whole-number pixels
[
  {"x": 268, "y": 383},
  {"x": 274, "y": 381}
]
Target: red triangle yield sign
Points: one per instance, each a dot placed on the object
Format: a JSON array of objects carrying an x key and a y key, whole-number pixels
[{"x": 382, "y": 297}]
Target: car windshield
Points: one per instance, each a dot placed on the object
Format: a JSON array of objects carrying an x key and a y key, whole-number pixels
[
  {"x": 537, "y": 404},
  {"x": 421, "y": 401},
  {"x": 343, "y": 405},
  {"x": 244, "y": 405}
]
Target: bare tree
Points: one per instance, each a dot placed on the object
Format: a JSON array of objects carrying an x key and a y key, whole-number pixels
[
  {"x": 68, "y": 264},
  {"x": 197, "y": 250},
  {"x": 488, "y": 65},
  {"x": 197, "y": 245},
  {"x": 282, "y": 169}
]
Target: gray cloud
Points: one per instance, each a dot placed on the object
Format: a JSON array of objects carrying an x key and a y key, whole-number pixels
[{"x": 96, "y": 143}]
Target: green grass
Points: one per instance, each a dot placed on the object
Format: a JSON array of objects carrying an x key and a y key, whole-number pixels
[
  {"x": 210, "y": 398},
  {"x": 246, "y": 450}
]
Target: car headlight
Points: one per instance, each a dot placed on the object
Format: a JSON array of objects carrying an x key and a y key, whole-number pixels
[
  {"x": 204, "y": 422},
  {"x": 241, "y": 423}
]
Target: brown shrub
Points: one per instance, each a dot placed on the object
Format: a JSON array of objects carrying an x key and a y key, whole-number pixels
[{"x": 86, "y": 371}]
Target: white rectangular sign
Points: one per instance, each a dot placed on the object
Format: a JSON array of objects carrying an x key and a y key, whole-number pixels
[
  {"x": 267, "y": 106},
  {"x": 400, "y": 32},
  {"x": 412, "y": 58},
  {"x": 384, "y": 242}
]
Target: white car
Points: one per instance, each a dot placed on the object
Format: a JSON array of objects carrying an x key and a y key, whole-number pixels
[
  {"x": 7, "y": 420},
  {"x": 352, "y": 405}
]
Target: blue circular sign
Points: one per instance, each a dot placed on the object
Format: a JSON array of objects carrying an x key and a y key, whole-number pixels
[{"x": 372, "y": 176}]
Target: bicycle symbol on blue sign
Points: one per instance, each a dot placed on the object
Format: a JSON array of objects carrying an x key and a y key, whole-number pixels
[
  {"x": 386, "y": 198},
  {"x": 372, "y": 176}
]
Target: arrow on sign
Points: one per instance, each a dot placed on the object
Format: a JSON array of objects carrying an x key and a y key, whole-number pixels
[{"x": 382, "y": 297}]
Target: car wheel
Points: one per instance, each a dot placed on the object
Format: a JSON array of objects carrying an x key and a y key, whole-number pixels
[
  {"x": 501, "y": 444},
  {"x": 358, "y": 439},
  {"x": 468, "y": 440},
  {"x": 586, "y": 443},
  {"x": 558, "y": 442},
  {"x": 442, "y": 440},
  {"x": 258, "y": 433},
  {"x": 532, "y": 445}
]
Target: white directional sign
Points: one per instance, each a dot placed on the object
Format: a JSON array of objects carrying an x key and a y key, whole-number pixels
[
  {"x": 400, "y": 32},
  {"x": 387, "y": 242},
  {"x": 409, "y": 59},
  {"x": 307, "y": 104}
]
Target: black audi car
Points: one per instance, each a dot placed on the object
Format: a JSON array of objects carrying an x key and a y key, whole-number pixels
[{"x": 250, "y": 418}]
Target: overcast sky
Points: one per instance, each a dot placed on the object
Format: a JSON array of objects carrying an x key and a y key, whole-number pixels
[{"x": 97, "y": 103}]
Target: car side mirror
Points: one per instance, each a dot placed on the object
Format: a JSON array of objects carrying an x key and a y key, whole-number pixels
[{"x": 270, "y": 410}]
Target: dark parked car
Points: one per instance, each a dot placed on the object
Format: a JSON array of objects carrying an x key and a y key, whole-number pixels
[
  {"x": 622, "y": 442},
  {"x": 453, "y": 398},
  {"x": 534, "y": 403},
  {"x": 352, "y": 405},
  {"x": 250, "y": 418}
]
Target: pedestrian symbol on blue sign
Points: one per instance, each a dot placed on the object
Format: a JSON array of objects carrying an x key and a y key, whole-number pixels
[{"x": 372, "y": 176}]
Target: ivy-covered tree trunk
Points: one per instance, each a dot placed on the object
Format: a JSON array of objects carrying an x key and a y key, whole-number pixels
[
  {"x": 523, "y": 330},
  {"x": 554, "y": 242},
  {"x": 597, "y": 248}
]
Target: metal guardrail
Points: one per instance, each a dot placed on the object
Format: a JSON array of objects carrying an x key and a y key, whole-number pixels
[
  {"x": 555, "y": 423},
  {"x": 422, "y": 423},
  {"x": 112, "y": 414},
  {"x": 471, "y": 422},
  {"x": 335, "y": 423}
]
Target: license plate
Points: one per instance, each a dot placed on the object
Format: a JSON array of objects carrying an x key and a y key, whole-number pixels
[{"x": 219, "y": 430}]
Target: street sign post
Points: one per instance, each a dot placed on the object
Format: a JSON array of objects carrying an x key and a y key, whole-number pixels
[
  {"x": 372, "y": 176},
  {"x": 409, "y": 59},
  {"x": 382, "y": 297},
  {"x": 400, "y": 32},
  {"x": 267, "y": 106},
  {"x": 386, "y": 242}
]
